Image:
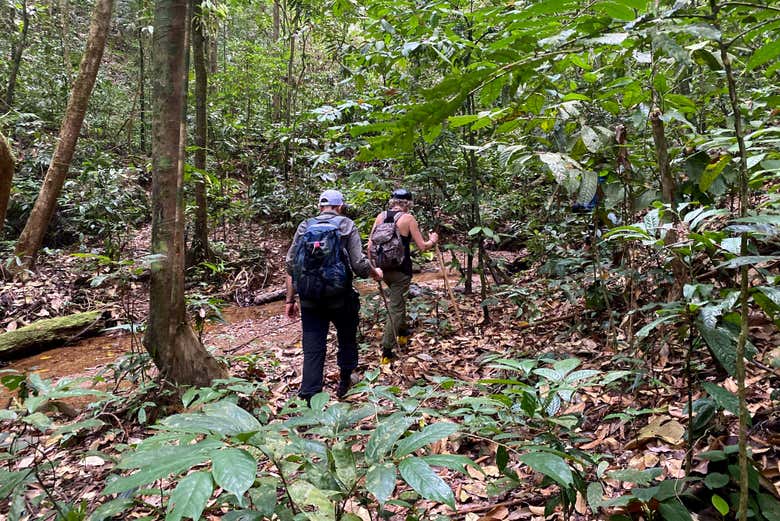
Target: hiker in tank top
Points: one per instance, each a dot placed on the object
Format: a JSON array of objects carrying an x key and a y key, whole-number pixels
[{"x": 398, "y": 280}]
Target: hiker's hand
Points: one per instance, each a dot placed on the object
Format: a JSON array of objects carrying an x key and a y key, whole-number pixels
[
  {"x": 377, "y": 274},
  {"x": 433, "y": 237},
  {"x": 291, "y": 310}
]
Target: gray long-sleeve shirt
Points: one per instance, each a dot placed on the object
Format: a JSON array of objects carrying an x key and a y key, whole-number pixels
[{"x": 350, "y": 238}]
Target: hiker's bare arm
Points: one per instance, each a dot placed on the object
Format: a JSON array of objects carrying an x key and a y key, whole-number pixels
[
  {"x": 290, "y": 308},
  {"x": 422, "y": 244}
]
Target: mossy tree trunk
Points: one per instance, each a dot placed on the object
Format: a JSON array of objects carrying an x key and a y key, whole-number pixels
[
  {"x": 170, "y": 340},
  {"x": 48, "y": 333},
  {"x": 6, "y": 176},
  {"x": 34, "y": 230}
]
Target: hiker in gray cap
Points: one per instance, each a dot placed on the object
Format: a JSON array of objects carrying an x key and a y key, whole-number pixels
[{"x": 325, "y": 254}]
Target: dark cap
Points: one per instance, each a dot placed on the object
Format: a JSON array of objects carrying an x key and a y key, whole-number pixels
[{"x": 402, "y": 193}]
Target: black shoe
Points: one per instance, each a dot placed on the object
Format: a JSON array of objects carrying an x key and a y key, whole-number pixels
[
  {"x": 307, "y": 398},
  {"x": 345, "y": 382}
]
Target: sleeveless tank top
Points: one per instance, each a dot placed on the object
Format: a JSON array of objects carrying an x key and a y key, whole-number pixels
[{"x": 406, "y": 265}]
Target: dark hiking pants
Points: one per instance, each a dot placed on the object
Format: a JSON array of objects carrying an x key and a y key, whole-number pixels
[{"x": 315, "y": 322}]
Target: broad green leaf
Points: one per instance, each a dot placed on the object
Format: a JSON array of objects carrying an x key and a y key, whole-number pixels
[
  {"x": 190, "y": 496},
  {"x": 243, "y": 515},
  {"x": 715, "y": 480},
  {"x": 549, "y": 374},
  {"x": 725, "y": 399},
  {"x": 720, "y": 504},
  {"x": 385, "y": 435},
  {"x": 306, "y": 494},
  {"x": 502, "y": 458},
  {"x": 565, "y": 170},
  {"x": 222, "y": 417},
  {"x": 674, "y": 510},
  {"x": 455, "y": 462},
  {"x": 712, "y": 171},
  {"x": 589, "y": 184},
  {"x": 111, "y": 509},
  {"x": 380, "y": 481},
  {"x": 344, "y": 461},
  {"x": 595, "y": 496},
  {"x": 166, "y": 454},
  {"x": 428, "y": 435},
  {"x": 550, "y": 465},
  {"x": 591, "y": 140},
  {"x": 616, "y": 10},
  {"x": 638, "y": 477},
  {"x": 459, "y": 121},
  {"x": 161, "y": 468},
  {"x": 723, "y": 347},
  {"x": 10, "y": 480},
  {"x": 770, "y": 507},
  {"x": 234, "y": 470},
  {"x": 582, "y": 374},
  {"x": 567, "y": 365},
  {"x": 421, "y": 477},
  {"x": 748, "y": 260},
  {"x": 263, "y": 496},
  {"x": 764, "y": 54}
]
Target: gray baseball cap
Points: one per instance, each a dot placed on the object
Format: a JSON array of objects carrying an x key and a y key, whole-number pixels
[{"x": 331, "y": 198}]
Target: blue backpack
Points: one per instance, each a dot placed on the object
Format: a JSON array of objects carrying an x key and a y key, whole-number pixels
[{"x": 319, "y": 270}]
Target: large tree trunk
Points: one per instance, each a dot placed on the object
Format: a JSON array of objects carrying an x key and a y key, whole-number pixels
[
  {"x": 32, "y": 236},
  {"x": 16, "y": 60},
  {"x": 200, "y": 244},
  {"x": 6, "y": 175},
  {"x": 170, "y": 340}
]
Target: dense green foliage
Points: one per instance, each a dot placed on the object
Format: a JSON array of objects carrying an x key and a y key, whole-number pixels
[{"x": 543, "y": 127}]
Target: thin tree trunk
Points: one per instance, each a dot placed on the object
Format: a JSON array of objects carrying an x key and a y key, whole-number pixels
[
  {"x": 668, "y": 182},
  {"x": 31, "y": 237},
  {"x": 744, "y": 283},
  {"x": 200, "y": 245},
  {"x": 276, "y": 98},
  {"x": 169, "y": 338},
  {"x": 16, "y": 60},
  {"x": 64, "y": 28},
  {"x": 142, "y": 89},
  {"x": 6, "y": 176},
  {"x": 668, "y": 195}
]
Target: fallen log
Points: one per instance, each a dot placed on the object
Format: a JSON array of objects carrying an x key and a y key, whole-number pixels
[
  {"x": 269, "y": 296},
  {"x": 50, "y": 332}
]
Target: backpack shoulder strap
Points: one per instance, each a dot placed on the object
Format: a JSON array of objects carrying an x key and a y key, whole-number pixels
[{"x": 392, "y": 216}]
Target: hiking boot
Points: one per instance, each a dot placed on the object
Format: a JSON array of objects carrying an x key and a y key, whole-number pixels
[
  {"x": 345, "y": 382},
  {"x": 388, "y": 357}
]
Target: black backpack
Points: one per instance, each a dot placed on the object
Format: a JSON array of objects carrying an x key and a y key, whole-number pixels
[{"x": 319, "y": 267}]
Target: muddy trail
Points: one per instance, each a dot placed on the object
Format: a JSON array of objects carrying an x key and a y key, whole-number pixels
[{"x": 254, "y": 339}]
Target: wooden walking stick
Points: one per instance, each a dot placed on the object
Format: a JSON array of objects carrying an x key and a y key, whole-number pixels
[{"x": 449, "y": 289}]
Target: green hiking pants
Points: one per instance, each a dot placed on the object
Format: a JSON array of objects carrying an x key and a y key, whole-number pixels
[{"x": 398, "y": 287}]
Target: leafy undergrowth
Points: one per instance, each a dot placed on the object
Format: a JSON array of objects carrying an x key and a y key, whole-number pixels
[{"x": 546, "y": 409}]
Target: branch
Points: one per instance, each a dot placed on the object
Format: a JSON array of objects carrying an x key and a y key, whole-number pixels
[
  {"x": 746, "y": 31},
  {"x": 748, "y": 4}
]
